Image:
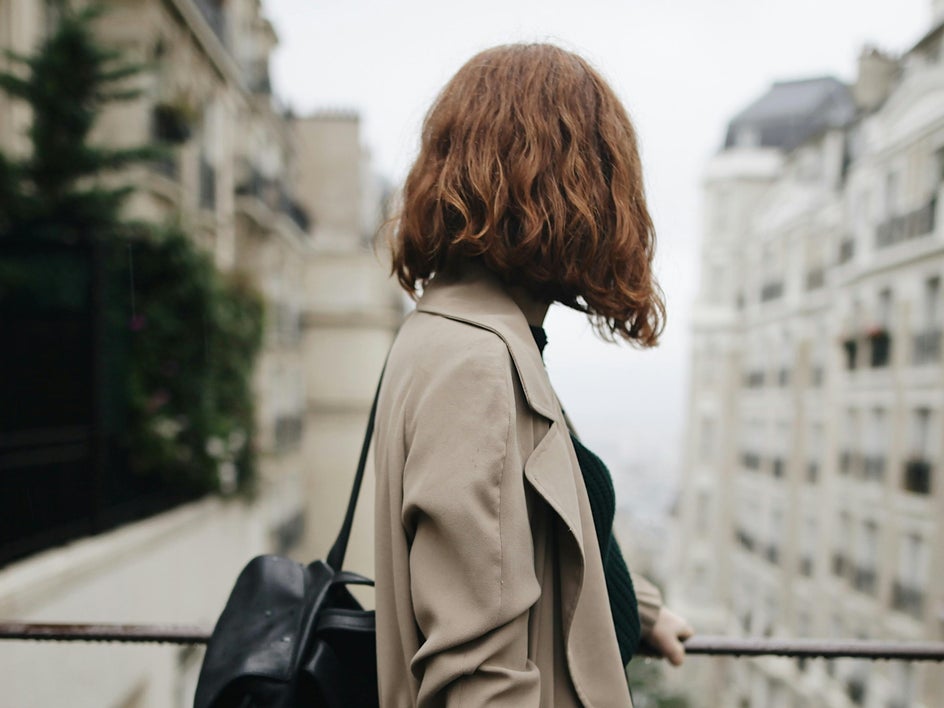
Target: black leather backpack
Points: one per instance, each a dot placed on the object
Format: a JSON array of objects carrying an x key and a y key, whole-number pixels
[{"x": 292, "y": 635}]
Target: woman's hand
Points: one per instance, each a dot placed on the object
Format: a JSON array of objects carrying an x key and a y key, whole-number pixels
[{"x": 667, "y": 634}]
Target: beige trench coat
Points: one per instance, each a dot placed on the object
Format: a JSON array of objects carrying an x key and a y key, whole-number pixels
[{"x": 490, "y": 588}]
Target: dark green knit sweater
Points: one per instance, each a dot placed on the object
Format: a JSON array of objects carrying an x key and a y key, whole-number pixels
[{"x": 602, "y": 496}]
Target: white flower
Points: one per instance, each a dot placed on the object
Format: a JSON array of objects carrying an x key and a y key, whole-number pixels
[
  {"x": 167, "y": 428},
  {"x": 237, "y": 439},
  {"x": 215, "y": 447}
]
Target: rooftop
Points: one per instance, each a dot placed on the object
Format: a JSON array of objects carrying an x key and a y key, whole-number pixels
[{"x": 790, "y": 112}]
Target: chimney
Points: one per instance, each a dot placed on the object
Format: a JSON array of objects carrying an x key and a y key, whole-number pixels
[{"x": 877, "y": 73}]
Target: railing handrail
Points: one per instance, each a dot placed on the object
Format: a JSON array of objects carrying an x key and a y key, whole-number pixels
[{"x": 709, "y": 645}]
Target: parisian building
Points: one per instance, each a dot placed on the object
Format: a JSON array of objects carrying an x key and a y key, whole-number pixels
[
  {"x": 292, "y": 204},
  {"x": 812, "y": 496}
]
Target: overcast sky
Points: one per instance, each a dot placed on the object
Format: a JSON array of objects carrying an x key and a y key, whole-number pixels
[{"x": 682, "y": 67}]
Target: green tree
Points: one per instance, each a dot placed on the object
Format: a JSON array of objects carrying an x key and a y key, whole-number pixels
[
  {"x": 176, "y": 339},
  {"x": 57, "y": 189}
]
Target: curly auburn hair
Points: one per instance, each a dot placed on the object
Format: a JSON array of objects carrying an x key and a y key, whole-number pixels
[{"x": 528, "y": 163}]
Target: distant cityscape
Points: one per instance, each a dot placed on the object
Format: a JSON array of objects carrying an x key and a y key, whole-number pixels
[{"x": 811, "y": 502}]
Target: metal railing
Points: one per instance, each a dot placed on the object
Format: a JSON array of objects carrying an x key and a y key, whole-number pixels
[{"x": 706, "y": 645}]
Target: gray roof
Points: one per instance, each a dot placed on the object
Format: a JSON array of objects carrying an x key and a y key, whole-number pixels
[{"x": 792, "y": 111}]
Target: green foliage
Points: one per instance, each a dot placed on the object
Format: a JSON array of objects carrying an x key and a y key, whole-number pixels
[
  {"x": 56, "y": 190},
  {"x": 195, "y": 336},
  {"x": 181, "y": 338},
  {"x": 649, "y": 687}
]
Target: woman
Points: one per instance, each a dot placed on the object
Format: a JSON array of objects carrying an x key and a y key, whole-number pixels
[{"x": 493, "y": 561}]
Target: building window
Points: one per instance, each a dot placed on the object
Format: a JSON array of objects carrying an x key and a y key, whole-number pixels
[
  {"x": 891, "y": 193},
  {"x": 907, "y": 590},
  {"x": 702, "y": 511},
  {"x": 918, "y": 468},
  {"x": 849, "y": 459},
  {"x": 706, "y": 442},
  {"x": 875, "y": 445},
  {"x": 927, "y": 342},
  {"x": 864, "y": 574}
]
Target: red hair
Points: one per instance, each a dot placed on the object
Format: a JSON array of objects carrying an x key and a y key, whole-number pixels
[{"x": 528, "y": 162}]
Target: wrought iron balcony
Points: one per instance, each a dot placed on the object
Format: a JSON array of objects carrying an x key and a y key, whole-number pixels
[{"x": 903, "y": 227}]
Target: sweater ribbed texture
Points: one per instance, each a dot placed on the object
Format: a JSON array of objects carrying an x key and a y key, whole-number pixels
[{"x": 602, "y": 496}]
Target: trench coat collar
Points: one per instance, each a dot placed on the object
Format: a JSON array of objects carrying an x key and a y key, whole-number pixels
[{"x": 476, "y": 296}]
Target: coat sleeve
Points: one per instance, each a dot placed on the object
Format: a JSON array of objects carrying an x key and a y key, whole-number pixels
[
  {"x": 649, "y": 600},
  {"x": 471, "y": 551}
]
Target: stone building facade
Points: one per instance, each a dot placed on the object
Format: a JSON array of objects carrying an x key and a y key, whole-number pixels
[{"x": 812, "y": 501}]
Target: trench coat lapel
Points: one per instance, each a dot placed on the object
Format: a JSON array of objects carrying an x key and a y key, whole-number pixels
[{"x": 478, "y": 298}]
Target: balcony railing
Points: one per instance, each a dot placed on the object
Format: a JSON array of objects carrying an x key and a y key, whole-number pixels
[
  {"x": 927, "y": 347},
  {"x": 907, "y": 599},
  {"x": 903, "y": 227},
  {"x": 273, "y": 194},
  {"x": 704, "y": 645},
  {"x": 917, "y": 477}
]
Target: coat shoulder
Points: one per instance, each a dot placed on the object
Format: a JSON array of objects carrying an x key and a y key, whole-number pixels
[{"x": 428, "y": 343}]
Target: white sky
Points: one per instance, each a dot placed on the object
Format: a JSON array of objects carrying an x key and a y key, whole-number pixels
[{"x": 682, "y": 67}]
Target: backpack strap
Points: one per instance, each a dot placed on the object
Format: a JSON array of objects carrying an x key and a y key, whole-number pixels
[{"x": 339, "y": 549}]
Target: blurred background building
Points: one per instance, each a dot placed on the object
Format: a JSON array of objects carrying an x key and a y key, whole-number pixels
[
  {"x": 290, "y": 203},
  {"x": 812, "y": 502}
]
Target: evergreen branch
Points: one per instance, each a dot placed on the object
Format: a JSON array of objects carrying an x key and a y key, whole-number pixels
[{"x": 15, "y": 86}]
